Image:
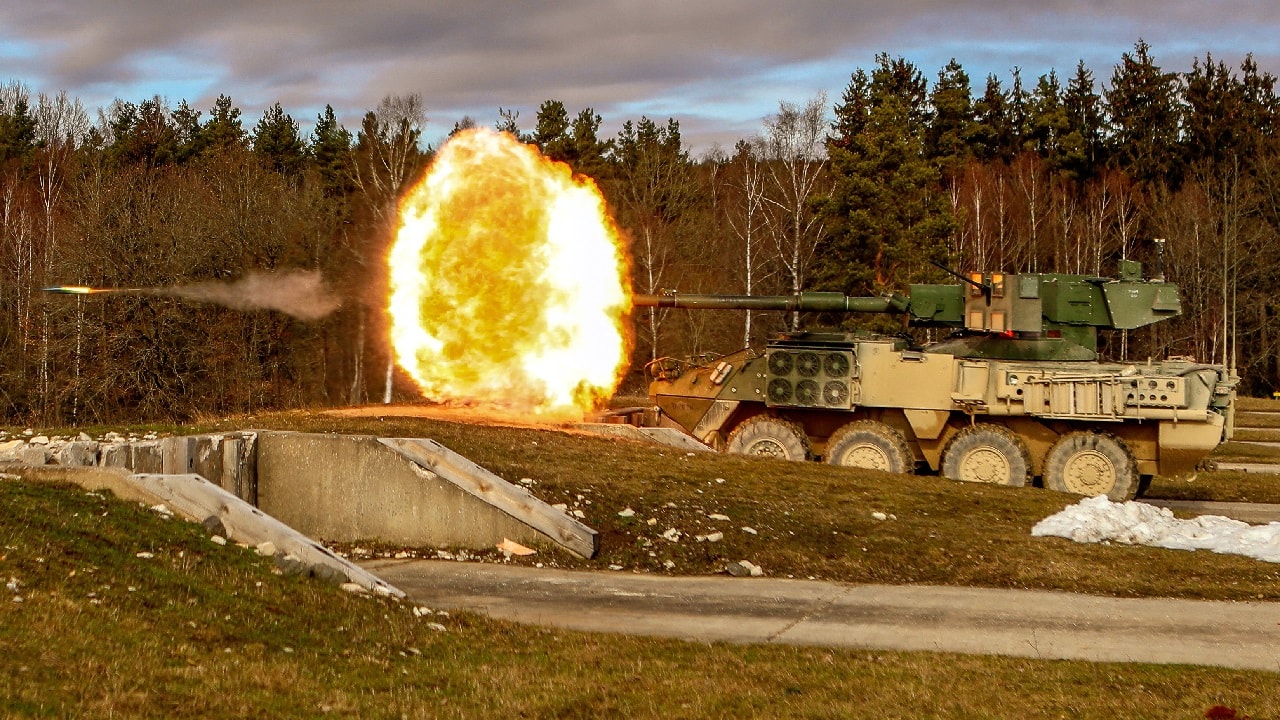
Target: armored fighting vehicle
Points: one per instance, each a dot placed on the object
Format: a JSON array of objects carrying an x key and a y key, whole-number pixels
[{"x": 1015, "y": 393}]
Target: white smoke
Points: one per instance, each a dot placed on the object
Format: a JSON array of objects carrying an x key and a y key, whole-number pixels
[{"x": 302, "y": 294}]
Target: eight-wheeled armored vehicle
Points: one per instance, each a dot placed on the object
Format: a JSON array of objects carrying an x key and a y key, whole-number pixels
[{"x": 1016, "y": 393}]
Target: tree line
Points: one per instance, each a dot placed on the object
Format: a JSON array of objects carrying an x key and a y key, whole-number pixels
[{"x": 862, "y": 196}]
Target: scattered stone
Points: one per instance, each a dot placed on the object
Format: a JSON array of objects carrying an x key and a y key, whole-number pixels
[
  {"x": 421, "y": 611},
  {"x": 579, "y": 514},
  {"x": 669, "y": 564},
  {"x": 652, "y": 521},
  {"x": 214, "y": 526},
  {"x": 715, "y": 537},
  {"x": 218, "y": 540},
  {"x": 749, "y": 530},
  {"x": 401, "y": 555},
  {"x": 528, "y": 481},
  {"x": 879, "y": 515},
  {"x": 353, "y": 588},
  {"x": 266, "y": 548},
  {"x": 718, "y": 516},
  {"x": 744, "y": 568},
  {"x": 290, "y": 564},
  {"x": 437, "y": 627},
  {"x": 13, "y": 584},
  {"x": 39, "y": 440},
  {"x": 615, "y": 567},
  {"x": 671, "y": 534},
  {"x": 162, "y": 510},
  {"x": 562, "y": 507},
  {"x": 145, "y": 555},
  {"x": 627, "y": 513}
]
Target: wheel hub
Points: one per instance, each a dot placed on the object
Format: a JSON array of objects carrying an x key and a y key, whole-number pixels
[
  {"x": 1089, "y": 472},
  {"x": 985, "y": 464},
  {"x": 866, "y": 455},
  {"x": 767, "y": 447}
]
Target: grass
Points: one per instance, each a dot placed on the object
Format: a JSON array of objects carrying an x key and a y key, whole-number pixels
[{"x": 198, "y": 630}]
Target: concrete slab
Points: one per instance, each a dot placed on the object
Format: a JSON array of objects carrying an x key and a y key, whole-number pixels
[{"x": 1036, "y": 624}]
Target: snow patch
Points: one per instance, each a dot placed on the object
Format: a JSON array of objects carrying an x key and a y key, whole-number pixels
[{"x": 1097, "y": 519}]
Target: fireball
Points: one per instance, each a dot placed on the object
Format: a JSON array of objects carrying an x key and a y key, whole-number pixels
[{"x": 508, "y": 281}]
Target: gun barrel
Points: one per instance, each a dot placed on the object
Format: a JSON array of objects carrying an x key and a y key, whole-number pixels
[{"x": 803, "y": 302}]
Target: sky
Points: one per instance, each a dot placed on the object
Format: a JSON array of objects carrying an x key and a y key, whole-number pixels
[{"x": 719, "y": 67}]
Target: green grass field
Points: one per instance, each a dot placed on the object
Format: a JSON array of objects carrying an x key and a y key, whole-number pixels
[{"x": 201, "y": 630}]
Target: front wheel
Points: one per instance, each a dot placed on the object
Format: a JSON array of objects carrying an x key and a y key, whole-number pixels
[
  {"x": 989, "y": 454},
  {"x": 1086, "y": 463},
  {"x": 769, "y": 437},
  {"x": 871, "y": 445}
]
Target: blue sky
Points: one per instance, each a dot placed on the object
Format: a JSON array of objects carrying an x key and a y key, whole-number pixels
[{"x": 717, "y": 66}]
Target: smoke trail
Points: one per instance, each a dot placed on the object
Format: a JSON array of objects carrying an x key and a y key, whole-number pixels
[{"x": 302, "y": 294}]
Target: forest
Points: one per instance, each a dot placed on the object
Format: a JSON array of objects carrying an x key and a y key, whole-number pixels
[{"x": 863, "y": 194}]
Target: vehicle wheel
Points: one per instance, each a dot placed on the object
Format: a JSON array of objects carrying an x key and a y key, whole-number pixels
[
  {"x": 770, "y": 437},
  {"x": 987, "y": 453},
  {"x": 871, "y": 445},
  {"x": 1088, "y": 463}
]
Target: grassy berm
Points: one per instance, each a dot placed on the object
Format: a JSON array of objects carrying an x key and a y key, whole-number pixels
[{"x": 114, "y": 610}]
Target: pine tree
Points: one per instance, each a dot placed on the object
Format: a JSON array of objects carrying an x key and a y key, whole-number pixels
[
  {"x": 276, "y": 140},
  {"x": 1082, "y": 146},
  {"x": 331, "y": 153},
  {"x": 947, "y": 136},
  {"x": 887, "y": 216},
  {"x": 1143, "y": 107}
]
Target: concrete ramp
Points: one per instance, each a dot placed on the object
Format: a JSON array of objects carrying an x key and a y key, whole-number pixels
[{"x": 412, "y": 492}]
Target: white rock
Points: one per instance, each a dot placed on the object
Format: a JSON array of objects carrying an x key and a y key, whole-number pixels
[
  {"x": 266, "y": 548},
  {"x": 354, "y": 588},
  {"x": 879, "y": 515},
  {"x": 749, "y": 530},
  {"x": 218, "y": 539},
  {"x": 437, "y": 627},
  {"x": 715, "y": 537},
  {"x": 627, "y": 513},
  {"x": 40, "y": 440},
  {"x": 671, "y": 534},
  {"x": 651, "y": 521},
  {"x": 162, "y": 509},
  {"x": 718, "y": 516},
  {"x": 145, "y": 555}
]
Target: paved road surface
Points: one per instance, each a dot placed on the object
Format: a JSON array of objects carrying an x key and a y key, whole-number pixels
[{"x": 766, "y": 610}]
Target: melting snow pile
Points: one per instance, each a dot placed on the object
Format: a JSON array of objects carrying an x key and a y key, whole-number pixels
[{"x": 1097, "y": 519}]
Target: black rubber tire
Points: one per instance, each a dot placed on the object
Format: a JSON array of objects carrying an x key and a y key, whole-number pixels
[
  {"x": 768, "y": 436},
  {"x": 1086, "y": 463},
  {"x": 871, "y": 445},
  {"x": 987, "y": 453}
]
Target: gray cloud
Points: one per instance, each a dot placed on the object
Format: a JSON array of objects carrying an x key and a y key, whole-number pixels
[{"x": 706, "y": 62}]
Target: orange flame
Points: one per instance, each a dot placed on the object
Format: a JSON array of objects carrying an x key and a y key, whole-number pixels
[{"x": 508, "y": 281}]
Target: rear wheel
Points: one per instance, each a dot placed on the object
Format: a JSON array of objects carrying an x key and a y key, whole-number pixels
[
  {"x": 871, "y": 445},
  {"x": 1086, "y": 463},
  {"x": 989, "y": 454},
  {"x": 769, "y": 437}
]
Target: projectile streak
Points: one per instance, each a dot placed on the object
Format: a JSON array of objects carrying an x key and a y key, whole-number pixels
[{"x": 84, "y": 290}]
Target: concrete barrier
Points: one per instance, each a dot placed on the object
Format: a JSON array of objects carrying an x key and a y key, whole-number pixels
[{"x": 350, "y": 488}]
